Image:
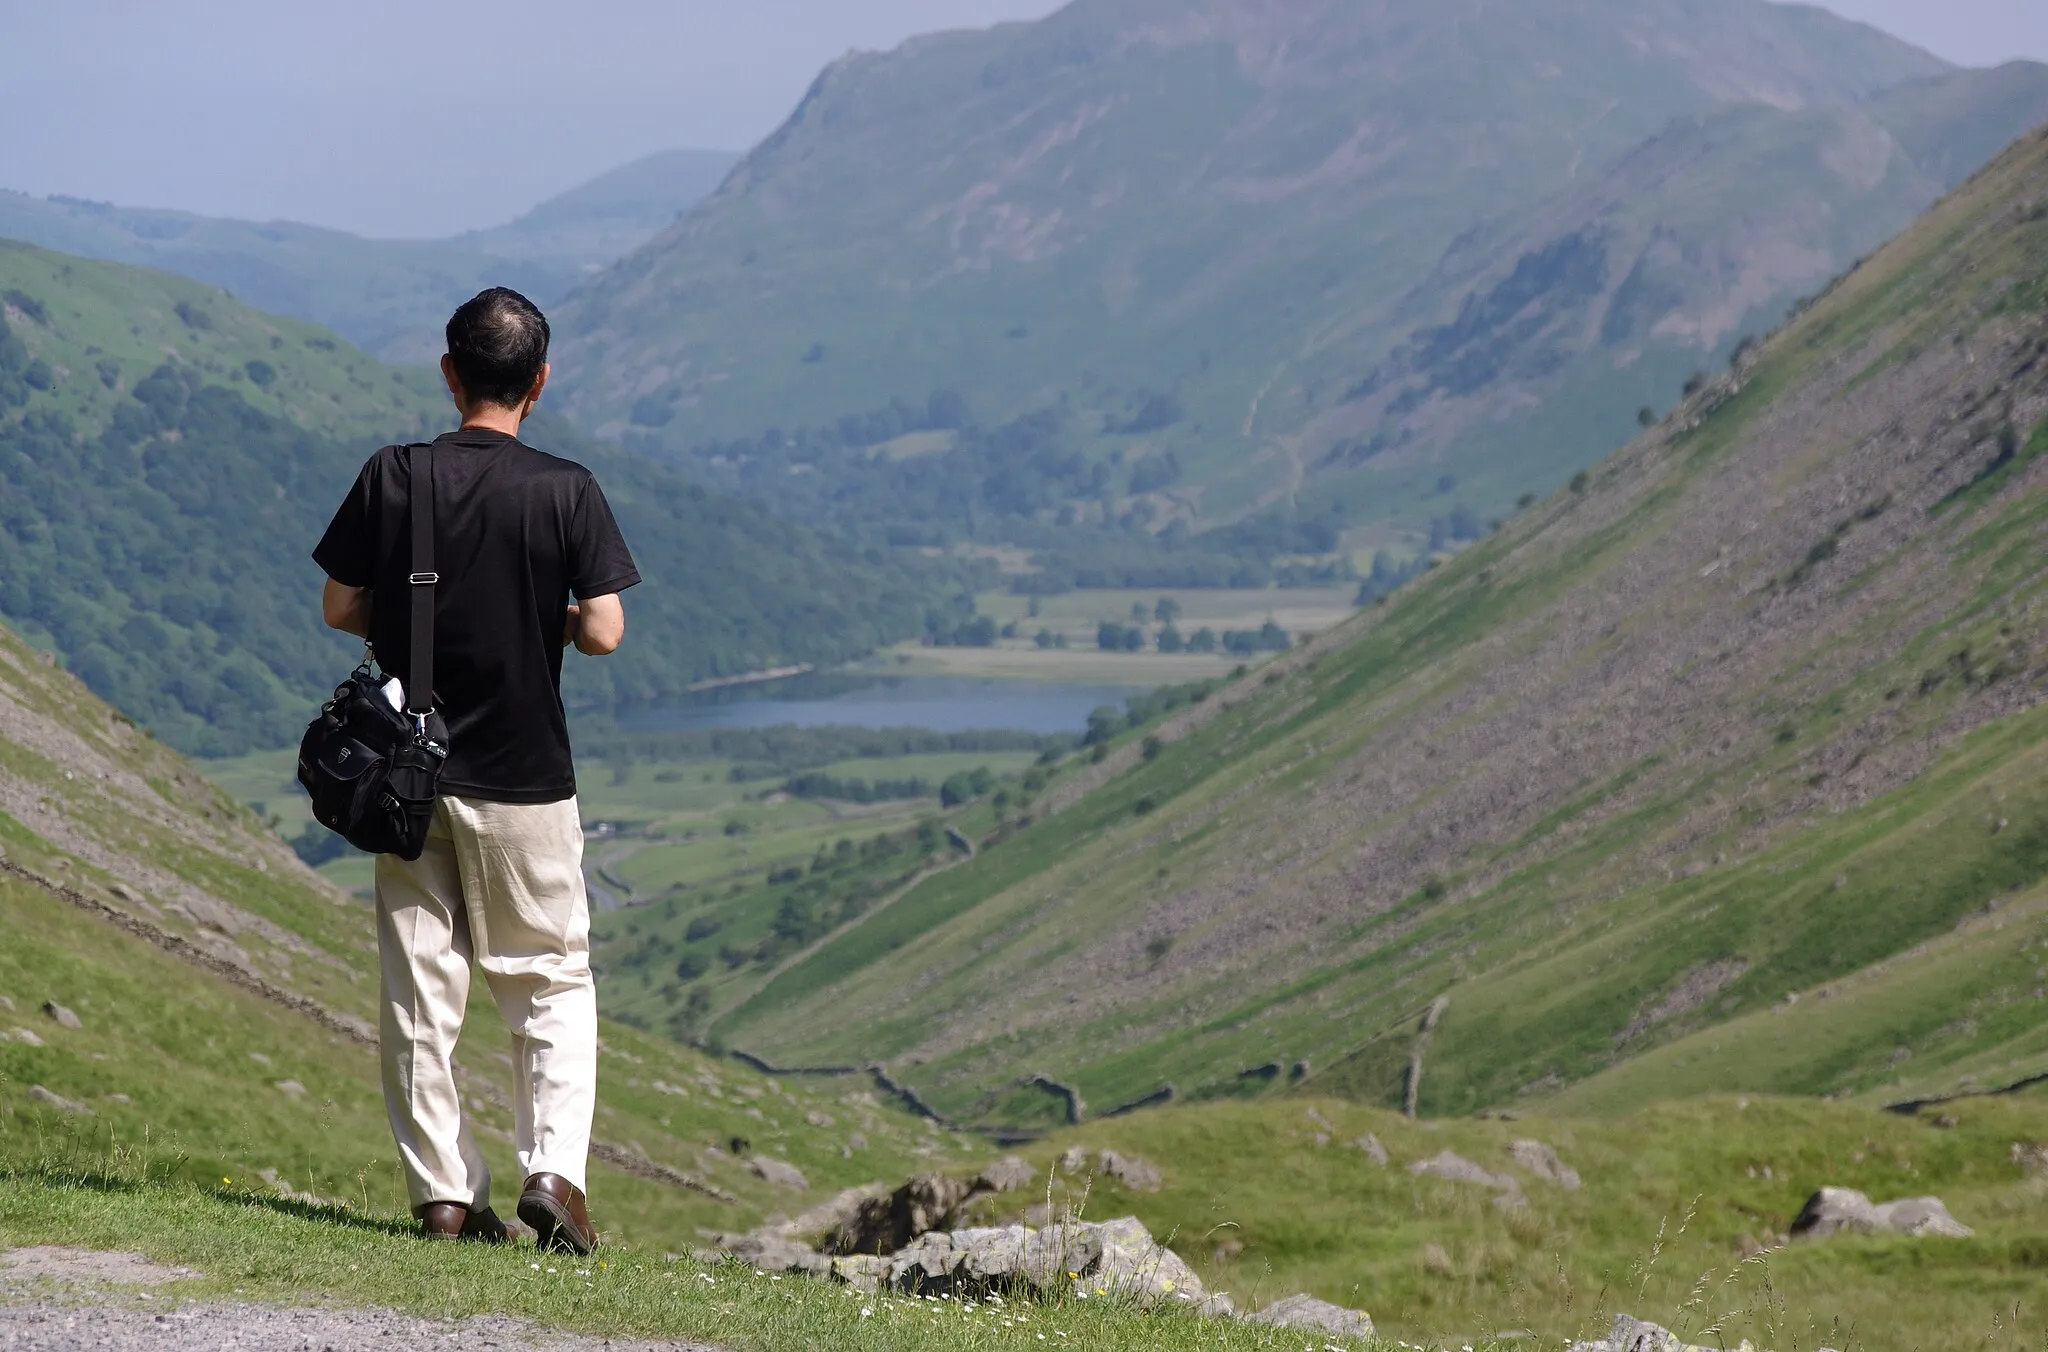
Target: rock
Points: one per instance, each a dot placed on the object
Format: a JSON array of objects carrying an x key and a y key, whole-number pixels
[
  {"x": 861, "y": 1271},
  {"x": 1458, "y": 1169},
  {"x": 1136, "y": 1174},
  {"x": 1921, "y": 1217},
  {"x": 291, "y": 1089},
  {"x": 926, "y": 1267},
  {"x": 1007, "y": 1174},
  {"x": 126, "y": 893},
  {"x": 780, "y": 1173},
  {"x": 1540, "y": 1160},
  {"x": 64, "y": 1017},
  {"x": 1373, "y": 1150},
  {"x": 1634, "y": 1335},
  {"x": 774, "y": 1253},
  {"x": 1072, "y": 1160},
  {"x": 1831, "y": 1211},
  {"x": 828, "y": 1216},
  {"x": 2031, "y": 1156},
  {"x": 1135, "y": 1265},
  {"x": 26, "y": 1038},
  {"x": 58, "y": 1101},
  {"x": 888, "y": 1224},
  {"x": 1306, "y": 1312},
  {"x": 6, "y": 1004},
  {"x": 260, "y": 1059},
  {"x": 119, "y": 1098}
]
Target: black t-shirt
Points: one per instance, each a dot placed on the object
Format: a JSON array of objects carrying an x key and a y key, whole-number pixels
[{"x": 516, "y": 533}]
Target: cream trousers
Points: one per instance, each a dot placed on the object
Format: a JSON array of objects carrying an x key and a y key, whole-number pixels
[{"x": 500, "y": 884}]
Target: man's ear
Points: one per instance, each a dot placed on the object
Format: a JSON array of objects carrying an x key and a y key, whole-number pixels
[
  {"x": 540, "y": 382},
  {"x": 454, "y": 382}
]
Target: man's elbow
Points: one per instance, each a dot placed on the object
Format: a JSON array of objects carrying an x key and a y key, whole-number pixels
[{"x": 601, "y": 627}]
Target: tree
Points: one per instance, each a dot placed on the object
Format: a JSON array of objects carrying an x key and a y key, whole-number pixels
[
  {"x": 1202, "y": 641},
  {"x": 1140, "y": 612},
  {"x": 1170, "y": 640},
  {"x": 1646, "y": 416},
  {"x": 1167, "y": 610}
]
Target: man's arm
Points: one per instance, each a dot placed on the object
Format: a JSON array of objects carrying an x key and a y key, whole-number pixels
[
  {"x": 596, "y": 625},
  {"x": 347, "y": 608}
]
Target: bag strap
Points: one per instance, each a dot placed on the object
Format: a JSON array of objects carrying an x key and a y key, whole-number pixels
[{"x": 419, "y": 685}]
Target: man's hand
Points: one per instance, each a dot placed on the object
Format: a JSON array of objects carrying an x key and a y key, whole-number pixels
[
  {"x": 596, "y": 625},
  {"x": 346, "y": 609}
]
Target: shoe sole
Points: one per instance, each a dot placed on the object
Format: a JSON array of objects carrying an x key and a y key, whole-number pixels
[{"x": 552, "y": 1224}]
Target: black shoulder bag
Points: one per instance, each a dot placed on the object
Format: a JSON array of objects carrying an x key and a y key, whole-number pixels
[{"x": 373, "y": 770}]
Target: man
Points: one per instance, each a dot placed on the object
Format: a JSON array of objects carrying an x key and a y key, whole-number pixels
[{"x": 530, "y": 561}]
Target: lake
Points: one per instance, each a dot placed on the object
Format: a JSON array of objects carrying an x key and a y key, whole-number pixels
[{"x": 936, "y": 703}]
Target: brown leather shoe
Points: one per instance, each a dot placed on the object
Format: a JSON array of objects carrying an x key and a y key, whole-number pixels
[
  {"x": 442, "y": 1220},
  {"x": 452, "y": 1220},
  {"x": 554, "y": 1207}
]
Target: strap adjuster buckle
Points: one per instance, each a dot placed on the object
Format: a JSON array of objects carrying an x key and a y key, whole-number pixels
[{"x": 425, "y": 579}]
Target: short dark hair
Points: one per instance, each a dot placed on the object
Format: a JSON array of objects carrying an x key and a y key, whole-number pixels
[{"x": 498, "y": 342}]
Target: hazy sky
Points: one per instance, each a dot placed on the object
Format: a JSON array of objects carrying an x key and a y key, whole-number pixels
[{"x": 424, "y": 117}]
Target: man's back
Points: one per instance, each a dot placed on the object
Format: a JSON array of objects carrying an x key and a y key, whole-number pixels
[{"x": 517, "y": 533}]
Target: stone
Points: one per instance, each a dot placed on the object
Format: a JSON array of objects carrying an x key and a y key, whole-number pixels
[
  {"x": 291, "y": 1089},
  {"x": 58, "y": 1101},
  {"x": 1635, "y": 1335},
  {"x": 6, "y": 1004},
  {"x": 126, "y": 893},
  {"x": 1373, "y": 1150},
  {"x": 888, "y": 1224},
  {"x": 64, "y": 1017},
  {"x": 1306, "y": 1312},
  {"x": 1134, "y": 1265},
  {"x": 2031, "y": 1156},
  {"x": 1833, "y": 1211},
  {"x": 861, "y": 1271},
  {"x": 926, "y": 1267},
  {"x": 1072, "y": 1160},
  {"x": 26, "y": 1038},
  {"x": 1007, "y": 1174},
  {"x": 1540, "y": 1160},
  {"x": 778, "y": 1173},
  {"x": 1457, "y": 1169},
  {"x": 1136, "y": 1174},
  {"x": 774, "y": 1253}
]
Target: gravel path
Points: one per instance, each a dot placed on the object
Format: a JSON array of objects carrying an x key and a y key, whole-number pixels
[{"x": 109, "y": 1307}]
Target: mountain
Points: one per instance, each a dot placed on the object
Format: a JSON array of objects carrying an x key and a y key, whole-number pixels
[
  {"x": 168, "y": 456},
  {"x": 1193, "y": 237},
  {"x": 1719, "y": 769},
  {"x": 390, "y": 297}
]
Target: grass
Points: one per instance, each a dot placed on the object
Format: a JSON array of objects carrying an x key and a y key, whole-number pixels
[{"x": 249, "y": 1247}]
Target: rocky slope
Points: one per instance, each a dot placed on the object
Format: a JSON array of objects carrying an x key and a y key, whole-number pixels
[
  {"x": 1196, "y": 227},
  {"x": 1747, "y": 710}
]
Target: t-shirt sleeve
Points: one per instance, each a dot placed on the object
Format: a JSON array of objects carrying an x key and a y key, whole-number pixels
[
  {"x": 599, "y": 562},
  {"x": 346, "y": 552}
]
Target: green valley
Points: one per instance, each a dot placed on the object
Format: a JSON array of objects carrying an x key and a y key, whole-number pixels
[{"x": 1621, "y": 803}]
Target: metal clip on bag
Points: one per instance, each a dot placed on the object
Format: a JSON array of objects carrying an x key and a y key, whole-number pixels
[{"x": 373, "y": 771}]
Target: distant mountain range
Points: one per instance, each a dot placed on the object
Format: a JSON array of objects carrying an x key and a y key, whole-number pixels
[
  {"x": 389, "y": 297},
  {"x": 1337, "y": 268}
]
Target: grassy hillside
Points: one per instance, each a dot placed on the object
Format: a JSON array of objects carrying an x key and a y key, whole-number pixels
[
  {"x": 1746, "y": 711},
  {"x": 169, "y": 456},
  {"x": 1150, "y": 262},
  {"x": 390, "y": 297},
  {"x": 227, "y": 1003}
]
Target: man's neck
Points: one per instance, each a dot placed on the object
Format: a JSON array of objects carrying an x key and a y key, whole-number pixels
[{"x": 493, "y": 418}]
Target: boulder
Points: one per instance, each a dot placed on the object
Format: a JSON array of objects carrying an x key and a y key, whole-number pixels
[
  {"x": 291, "y": 1089},
  {"x": 1832, "y": 1211},
  {"x": 1457, "y": 1169},
  {"x": 780, "y": 1173},
  {"x": 925, "y": 1268},
  {"x": 1540, "y": 1160},
  {"x": 888, "y": 1224},
  {"x": 1373, "y": 1150},
  {"x": 1134, "y": 1265},
  {"x": 774, "y": 1253},
  {"x": 1306, "y": 1312},
  {"x": 1136, "y": 1174},
  {"x": 861, "y": 1271},
  {"x": 54, "y": 1100},
  {"x": 1007, "y": 1174},
  {"x": 25, "y": 1037},
  {"x": 64, "y": 1017},
  {"x": 1635, "y": 1335}
]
